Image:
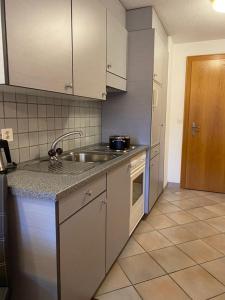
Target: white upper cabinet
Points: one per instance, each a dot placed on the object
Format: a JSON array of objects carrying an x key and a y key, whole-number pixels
[
  {"x": 160, "y": 49},
  {"x": 89, "y": 48},
  {"x": 39, "y": 44},
  {"x": 116, "y": 47},
  {"x": 62, "y": 46}
]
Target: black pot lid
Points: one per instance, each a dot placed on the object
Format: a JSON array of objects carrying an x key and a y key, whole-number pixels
[{"x": 119, "y": 137}]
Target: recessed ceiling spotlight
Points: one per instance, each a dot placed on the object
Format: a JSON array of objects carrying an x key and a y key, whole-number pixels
[{"x": 219, "y": 5}]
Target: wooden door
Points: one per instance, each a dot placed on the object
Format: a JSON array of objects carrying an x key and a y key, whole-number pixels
[
  {"x": 203, "y": 162},
  {"x": 89, "y": 48},
  {"x": 116, "y": 47},
  {"x": 39, "y": 44},
  {"x": 82, "y": 251}
]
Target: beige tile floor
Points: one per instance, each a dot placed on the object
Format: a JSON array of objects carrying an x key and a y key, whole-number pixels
[{"x": 176, "y": 253}]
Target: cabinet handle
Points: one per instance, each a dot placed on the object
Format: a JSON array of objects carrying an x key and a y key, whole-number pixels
[
  {"x": 89, "y": 193},
  {"x": 109, "y": 66},
  {"x": 68, "y": 86}
]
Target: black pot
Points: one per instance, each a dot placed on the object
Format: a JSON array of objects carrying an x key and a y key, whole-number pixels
[{"x": 119, "y": 142}]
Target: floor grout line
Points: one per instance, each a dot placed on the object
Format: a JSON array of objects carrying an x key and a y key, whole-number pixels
[
  {"x": 173, "y": 244},
  {"x": 214, "y": 297},
  {"x": 180, "y": 287}
]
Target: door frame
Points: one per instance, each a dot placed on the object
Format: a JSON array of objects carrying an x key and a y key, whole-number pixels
[{"x": 190, "y": 59}]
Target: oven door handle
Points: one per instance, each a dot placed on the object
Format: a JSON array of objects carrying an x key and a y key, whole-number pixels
[{"x": 137, "y": 171}]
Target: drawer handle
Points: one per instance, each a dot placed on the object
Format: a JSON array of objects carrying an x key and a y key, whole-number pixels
[{"x": 89, "y": 193}]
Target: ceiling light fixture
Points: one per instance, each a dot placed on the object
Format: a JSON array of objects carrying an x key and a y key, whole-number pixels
[{"x": 219, "y": 5}]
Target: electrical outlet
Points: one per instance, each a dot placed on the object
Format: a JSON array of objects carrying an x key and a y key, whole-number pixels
[{"x": 7, "y": 134}]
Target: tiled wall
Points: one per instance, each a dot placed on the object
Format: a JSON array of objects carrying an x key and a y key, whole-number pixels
[{"x": 37, "y": 121}]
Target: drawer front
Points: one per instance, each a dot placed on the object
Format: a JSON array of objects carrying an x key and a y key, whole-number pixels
[
  {"x": 76, "y": 200},
  {"x": 155, "y": 151}
]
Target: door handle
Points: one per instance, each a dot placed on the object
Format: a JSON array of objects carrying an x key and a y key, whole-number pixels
[{"x": 195, "y": 128}]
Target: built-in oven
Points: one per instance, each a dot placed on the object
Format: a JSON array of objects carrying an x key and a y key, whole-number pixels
[{"x": 137, "y": 177}]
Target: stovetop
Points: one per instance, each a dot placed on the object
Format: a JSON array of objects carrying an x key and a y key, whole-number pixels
[{"x": 105, "y": 148}]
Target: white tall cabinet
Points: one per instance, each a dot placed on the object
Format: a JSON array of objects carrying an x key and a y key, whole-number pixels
[{"x": 159, "y": 101}]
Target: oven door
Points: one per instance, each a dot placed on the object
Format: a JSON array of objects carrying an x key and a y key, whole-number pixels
[{"x": 137, "y": 196}]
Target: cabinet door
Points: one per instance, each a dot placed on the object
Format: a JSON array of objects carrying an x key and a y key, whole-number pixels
[
  {"x": 156, "y": 114},
  {"x": 158, "y": 58},
  {"x": 162, "y": 143},
  {"x": 116, "y": 47},
  {"x": 118, "y": 212},
  {"x": 89, "y": 48},
  {"x": 82, "y": 251},
  {"x": 39, "y": 44},
  {"x": 161, "y": 161},
  {"x": 154, "y": 180}
]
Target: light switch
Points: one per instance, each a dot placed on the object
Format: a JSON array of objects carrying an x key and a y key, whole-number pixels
[{"x": 7, "y": 134}]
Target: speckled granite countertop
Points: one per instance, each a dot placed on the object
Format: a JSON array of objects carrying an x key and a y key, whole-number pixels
[{"x": 24, "y": 183}]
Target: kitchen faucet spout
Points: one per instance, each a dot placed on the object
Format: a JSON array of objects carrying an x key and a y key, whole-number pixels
[{"x": 54, "y": 150}]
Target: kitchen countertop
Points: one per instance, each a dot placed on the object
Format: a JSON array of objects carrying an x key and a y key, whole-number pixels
[{"x": 50, "y": 186}]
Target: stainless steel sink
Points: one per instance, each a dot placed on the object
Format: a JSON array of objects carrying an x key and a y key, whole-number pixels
[
  {"x": 73, "y": 163},
  {"x": 89, "y": 157}
]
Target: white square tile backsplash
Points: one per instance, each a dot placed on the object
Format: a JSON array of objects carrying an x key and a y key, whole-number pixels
[{"x": 37, "y": 121}]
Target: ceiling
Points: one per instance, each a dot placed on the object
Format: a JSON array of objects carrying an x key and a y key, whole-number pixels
[{"x": 186, "y": 20}]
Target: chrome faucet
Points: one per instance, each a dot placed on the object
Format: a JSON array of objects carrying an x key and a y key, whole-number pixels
[{"x": 54, "y": 151}]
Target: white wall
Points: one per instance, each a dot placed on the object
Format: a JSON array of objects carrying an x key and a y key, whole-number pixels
[
  {"x": 176, "y": 92},
  {"x": 116, "y": 9},
  {"x": 157, "y": 24}
]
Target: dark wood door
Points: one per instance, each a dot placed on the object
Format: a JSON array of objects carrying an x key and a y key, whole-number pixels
[{"x": 203, "y": 162}]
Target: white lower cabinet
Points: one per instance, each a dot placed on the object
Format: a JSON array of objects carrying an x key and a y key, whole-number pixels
[
  {"x": 118, "y": 212},
  {"x": 82, "y": 251},
  {"x": 93, "y": 237},
  {"x": 72, "y": 242}
]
